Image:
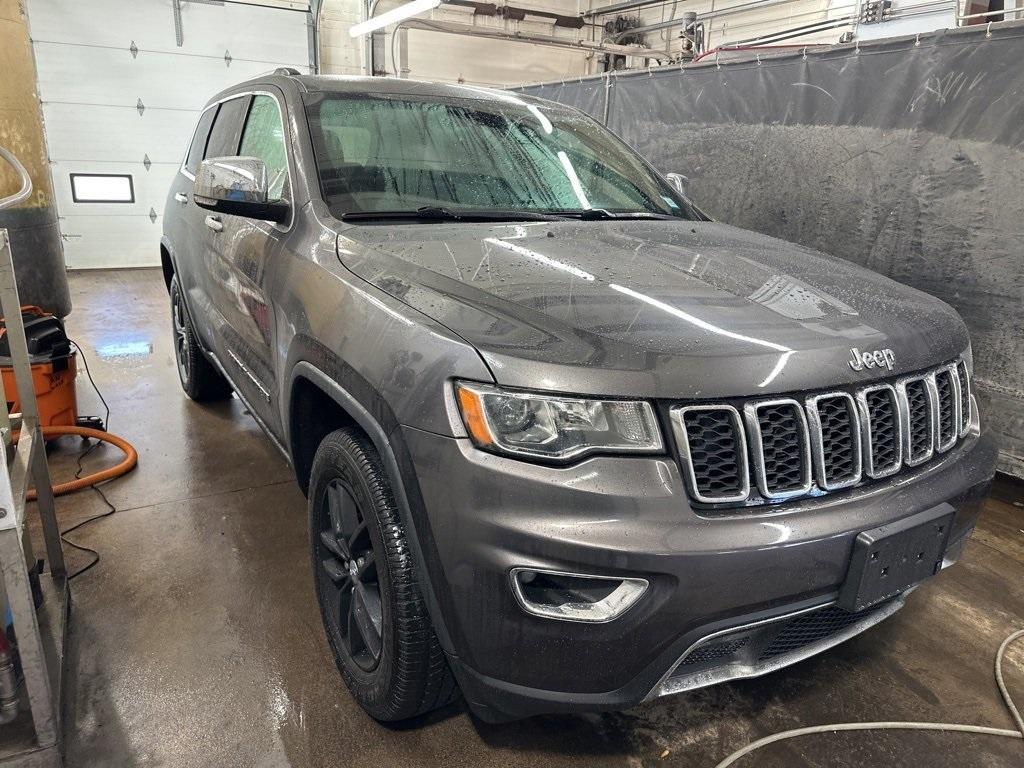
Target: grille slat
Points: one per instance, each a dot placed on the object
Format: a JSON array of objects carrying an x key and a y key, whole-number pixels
[
  {"x": 832, "y": 440},
  {"x": 781, "y": 449},
  {"x": 965, "y": 397},
  {"x": 835, "y": 439},
  {"x": 917, "y": 412},
  {"x": 715, "y": 447},
  {"x": 947, "y": 401},
  {"x": 882, "y": 446}
]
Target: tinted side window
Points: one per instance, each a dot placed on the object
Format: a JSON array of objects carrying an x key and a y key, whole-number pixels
[
  {"x": 227, "y": 128},
  {"x": 263, "y": 137},
  {"x": 195, "y": 152}
]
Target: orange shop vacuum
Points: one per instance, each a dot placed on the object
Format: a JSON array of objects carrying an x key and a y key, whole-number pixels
[
  {"x": 53, "y": 369},
  {"x": 53, "y": 377}
]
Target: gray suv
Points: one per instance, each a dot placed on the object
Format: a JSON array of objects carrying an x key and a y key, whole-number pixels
[{"x": 568, "y": 444}]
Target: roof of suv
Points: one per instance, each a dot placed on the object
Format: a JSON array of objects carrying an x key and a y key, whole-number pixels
[{"x": 385, "y": 85}]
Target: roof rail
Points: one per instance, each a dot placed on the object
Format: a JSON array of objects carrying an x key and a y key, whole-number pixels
[{"x": 287, "y": 71}]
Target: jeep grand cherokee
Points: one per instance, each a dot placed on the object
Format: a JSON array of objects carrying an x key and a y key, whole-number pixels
[{"x": 568, "y": 444}]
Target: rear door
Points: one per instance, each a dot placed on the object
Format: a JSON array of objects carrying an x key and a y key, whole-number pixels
[
  {"x": 183, "y": 225},
  {"x": 244, "y": 254}
]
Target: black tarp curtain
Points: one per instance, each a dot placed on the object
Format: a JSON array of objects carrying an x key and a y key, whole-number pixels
[{"x": 903, "y": 155}]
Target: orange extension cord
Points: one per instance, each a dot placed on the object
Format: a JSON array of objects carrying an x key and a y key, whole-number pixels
[{"x": 131, "y": 458}]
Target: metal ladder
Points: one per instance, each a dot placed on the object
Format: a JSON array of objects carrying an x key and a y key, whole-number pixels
[{"x": 40, "y": 635}]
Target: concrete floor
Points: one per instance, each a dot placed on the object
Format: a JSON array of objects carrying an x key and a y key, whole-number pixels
[{"x": 196, "y": 640}]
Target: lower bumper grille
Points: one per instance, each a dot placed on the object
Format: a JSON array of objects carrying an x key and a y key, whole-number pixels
[{"x": 759, "y": 648}]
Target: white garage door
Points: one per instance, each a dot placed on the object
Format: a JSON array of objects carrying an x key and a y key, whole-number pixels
[{"x": 121, "y": 84}]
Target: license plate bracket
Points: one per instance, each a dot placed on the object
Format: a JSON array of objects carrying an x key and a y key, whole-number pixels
[{"x": 891, "y": 558}]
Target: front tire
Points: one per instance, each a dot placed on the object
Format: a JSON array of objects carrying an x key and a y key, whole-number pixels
[
  {"x": 200, "y": 380},
  {"x": 374, "y": 615}
]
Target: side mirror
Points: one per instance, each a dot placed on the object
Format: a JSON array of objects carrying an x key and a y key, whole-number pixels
[
  {"x": 678, "y": 182},
  {"x": 237, "y": 185}
]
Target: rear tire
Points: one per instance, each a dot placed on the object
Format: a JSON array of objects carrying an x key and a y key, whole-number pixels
[
  {"x": 366, "y": 584},
  {"x": 200, "y": 380}
]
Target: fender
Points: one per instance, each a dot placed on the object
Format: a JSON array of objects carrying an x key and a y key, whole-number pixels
[{"x": 401, "y": 483}]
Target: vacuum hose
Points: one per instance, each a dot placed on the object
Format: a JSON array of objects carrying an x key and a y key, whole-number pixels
[{"x": 131, "y": 458}]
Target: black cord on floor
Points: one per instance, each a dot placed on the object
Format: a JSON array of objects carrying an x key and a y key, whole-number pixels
[
  {"x": 88, "y": 373},
  {"x": 111, "y": 509}
]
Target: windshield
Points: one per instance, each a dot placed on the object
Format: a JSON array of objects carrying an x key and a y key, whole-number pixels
[{"x": 388, "y": 154}]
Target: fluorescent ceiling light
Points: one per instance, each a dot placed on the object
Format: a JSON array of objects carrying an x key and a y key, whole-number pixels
[{"x": 401, "y": 13}]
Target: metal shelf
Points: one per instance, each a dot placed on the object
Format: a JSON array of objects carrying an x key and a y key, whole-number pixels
[{"x": 33, "y": 739}]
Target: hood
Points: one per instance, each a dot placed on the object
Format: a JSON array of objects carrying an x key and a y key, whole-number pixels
[{"x": 653, "y": 308}]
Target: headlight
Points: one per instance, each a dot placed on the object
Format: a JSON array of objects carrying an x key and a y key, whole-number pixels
[{"x": 547, "y": 426}]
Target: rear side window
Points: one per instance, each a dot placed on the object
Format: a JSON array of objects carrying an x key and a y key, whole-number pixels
[
  {"x": 195, "y": 152},
  {"x": 227, "y": 128}
]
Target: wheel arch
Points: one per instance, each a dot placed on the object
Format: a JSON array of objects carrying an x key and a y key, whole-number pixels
[
  {"x": 167, "y": 265},
  {"x": 308, "y": 387}
]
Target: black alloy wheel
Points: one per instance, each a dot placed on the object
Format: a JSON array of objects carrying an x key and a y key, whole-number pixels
[
  {"x": 368, "y": 584},
  {"x": 199, "y": 378},
  {"x": 351, "y": 590}
]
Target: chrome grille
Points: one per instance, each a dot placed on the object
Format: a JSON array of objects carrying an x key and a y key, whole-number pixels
[
  {"x": 778, "y": 432},
  {"x": 835, "y": 439},
  {"x": 883, "y": 447},
  {"x": 965, "y": 396},
  {"x": 714, "y": 450},
  {"x": 917, "y": 410},
  {"x": 784, "y": 448},
  {"x": 949, "y": 405}
]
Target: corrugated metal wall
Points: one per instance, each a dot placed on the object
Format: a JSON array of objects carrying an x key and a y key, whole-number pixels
[{"x": 906, "y": 156}]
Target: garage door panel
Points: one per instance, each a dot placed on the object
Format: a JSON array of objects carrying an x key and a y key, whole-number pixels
[
  {"x": 249, "y": 32},
  {"x": 90, "y": 84},
  {"x": 260, "y": 34},
  {"x": 117, "y": 134},
  {"x": 92, "y": 242},
  {"x": 160, "y": 80},
  {"x": 150, "y": 188}
]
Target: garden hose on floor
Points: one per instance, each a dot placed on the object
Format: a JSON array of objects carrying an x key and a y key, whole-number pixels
[
  {"x": 1017, "y": 733},
  {"x": 131, "y": 458}
]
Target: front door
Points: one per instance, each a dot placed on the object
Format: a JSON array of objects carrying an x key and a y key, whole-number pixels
[{"x": 245, "y": 255}]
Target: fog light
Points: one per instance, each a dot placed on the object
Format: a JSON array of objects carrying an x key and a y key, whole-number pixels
[{"x": 575, "y": 596}]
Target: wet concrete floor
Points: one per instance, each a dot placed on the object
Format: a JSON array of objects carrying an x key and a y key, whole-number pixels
[{"x": 196, "y": 640}]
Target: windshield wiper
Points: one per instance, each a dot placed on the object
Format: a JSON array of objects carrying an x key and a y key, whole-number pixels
[
  {"x": 440, "y": 213},
  {"x": 600, "y": 214}
]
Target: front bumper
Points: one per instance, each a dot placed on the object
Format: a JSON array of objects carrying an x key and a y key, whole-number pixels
[{"x": 630, "y": 517}]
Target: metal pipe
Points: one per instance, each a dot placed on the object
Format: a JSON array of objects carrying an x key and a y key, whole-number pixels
[
  {"x": 8, "y": 686},
  {"x": 1002, "y": 12},
  {"x": 629, "y": 5},
  {"x": 732, "y": 10},
  {"x": 633, "y": 51},
  {"x": 316, "y": 6},
  {"x": 788, "y": 34},
  {"x": 26, "y": 181},
  {"x": 925, "y": 9}
]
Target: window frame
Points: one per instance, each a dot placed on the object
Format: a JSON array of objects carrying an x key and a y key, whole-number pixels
[
  {"x": 183, "y": 169},
  {"x": 236, "y": 130},
  {"x": 282, "y": 110},
  {"x": 195, "y": 135},
  {"x": 284, "y": 136}
]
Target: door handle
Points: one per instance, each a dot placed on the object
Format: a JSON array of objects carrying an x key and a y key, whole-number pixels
[
  {"x": 181, "y": 198},
  {"x": 213, "y": 222}
]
